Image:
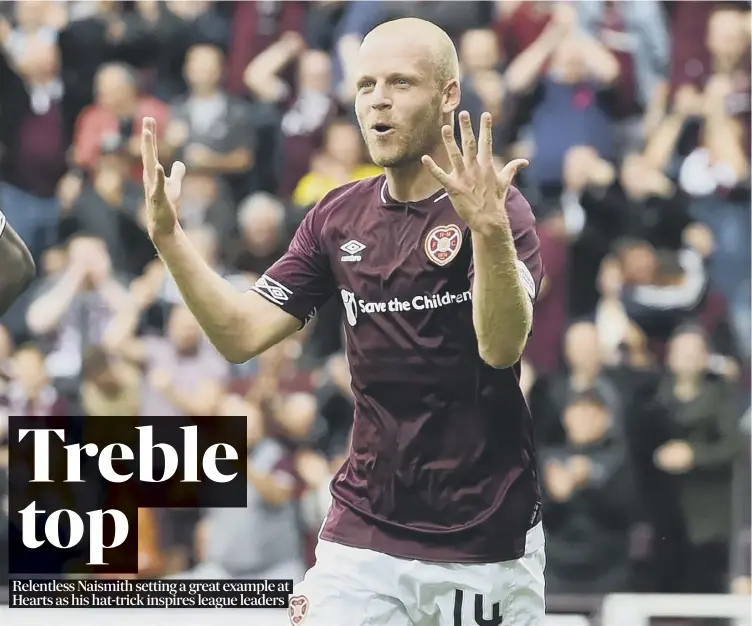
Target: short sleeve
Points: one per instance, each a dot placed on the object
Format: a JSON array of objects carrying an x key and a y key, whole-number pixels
[
  {"x": 301, "y": 281},
  {"x": 529, "y": 262}
]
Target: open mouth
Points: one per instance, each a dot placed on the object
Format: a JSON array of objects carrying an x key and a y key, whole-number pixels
[{"x": 382, "y": 129}]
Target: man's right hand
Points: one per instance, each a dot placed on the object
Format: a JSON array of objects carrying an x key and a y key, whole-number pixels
[{"x": 162, "y": 192}]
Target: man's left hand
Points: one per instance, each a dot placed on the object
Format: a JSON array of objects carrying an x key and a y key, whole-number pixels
[{"x": 477, "y": 192}]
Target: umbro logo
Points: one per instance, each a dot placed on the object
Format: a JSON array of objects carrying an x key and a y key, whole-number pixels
[{"x": 353, "y": 249}]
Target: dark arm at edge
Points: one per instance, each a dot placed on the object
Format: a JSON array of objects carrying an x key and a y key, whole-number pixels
[{"x": 17, "y": 268}]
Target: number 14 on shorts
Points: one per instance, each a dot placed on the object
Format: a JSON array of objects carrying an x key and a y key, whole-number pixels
[{"x": 480, "y": 613}]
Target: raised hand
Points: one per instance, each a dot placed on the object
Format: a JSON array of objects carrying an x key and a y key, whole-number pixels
[
  {"x": 162, "y": 192},
  {"x": 477, "y": 192}
]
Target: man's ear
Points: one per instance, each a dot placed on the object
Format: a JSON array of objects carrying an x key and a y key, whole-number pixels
[{"x": 452, "y": 96}]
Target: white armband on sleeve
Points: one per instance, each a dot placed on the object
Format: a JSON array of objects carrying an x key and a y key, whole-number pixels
[
  {"x": 3, "y": 221},
  {"x": 526, "y": 278}
]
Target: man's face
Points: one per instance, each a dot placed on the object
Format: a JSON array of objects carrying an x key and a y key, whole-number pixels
[
  {"x": 343, "y": 143},
  {"x": 640, "y": 264},
  {"x": 585, "y": 423},
  {"x": 264, "y": 232},
  {"x": 203, "y": 67},
  {"x": 315, "y": 72},
  {"x": 398, "y": 102},
  {"x": 107, "y": 382},
  {"x": 29, "y": 371},
  {"x": 687, "y": 355},
  {"x": 30, "y": 15},
  {"x": 726, "y": 36},
  {"x": 114, "y": 88},
  {"x": 582, "y": 347},
  {"x": 479, "y": 50},
  {"x": 183, "y": 329}
]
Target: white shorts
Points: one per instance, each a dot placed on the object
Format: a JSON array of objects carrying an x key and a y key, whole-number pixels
[{"x": 357, "y": 587}]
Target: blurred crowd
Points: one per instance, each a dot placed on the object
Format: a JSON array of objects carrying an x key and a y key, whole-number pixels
[{"x": 636, "y": 119}]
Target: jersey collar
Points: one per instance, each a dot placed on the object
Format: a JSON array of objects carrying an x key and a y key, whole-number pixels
[{"x": 389, "y": 202}]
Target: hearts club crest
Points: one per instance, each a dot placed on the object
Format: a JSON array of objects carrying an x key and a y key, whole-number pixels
[
  {"x": 298, "y": 609},
  {"x": 443, "y": 243}
]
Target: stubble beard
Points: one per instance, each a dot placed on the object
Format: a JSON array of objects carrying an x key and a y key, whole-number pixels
[{"x": 408, "y": 149}]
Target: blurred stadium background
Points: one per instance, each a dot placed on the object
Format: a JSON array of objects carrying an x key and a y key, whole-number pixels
[{"x": 636, "y": 117}]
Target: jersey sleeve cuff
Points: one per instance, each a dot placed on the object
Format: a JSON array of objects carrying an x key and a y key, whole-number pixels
[
  {"x": 527, "y": 280},
  {"x": 276, "y": 293}
]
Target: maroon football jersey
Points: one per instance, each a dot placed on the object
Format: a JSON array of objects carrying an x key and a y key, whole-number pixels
[{"x": 441, "y": 465}]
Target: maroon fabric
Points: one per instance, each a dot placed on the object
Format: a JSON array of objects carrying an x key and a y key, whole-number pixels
[
  {"x": 690, "y": 60},
  {"x": 39, "y": 161},
  {"x": 626, "y": 102},
  {"x": 517, "y": 31},
  {"x": 298, "y": 151},
  {"x": 544, "y": 346},
  {"x": 47, "y": 404},
  {"x": 253, "y": 32},
  {"x": 441, "y": 466}
]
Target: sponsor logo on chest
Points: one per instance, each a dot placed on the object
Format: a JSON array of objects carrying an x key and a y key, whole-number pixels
[{"x": 355, "y": 306}]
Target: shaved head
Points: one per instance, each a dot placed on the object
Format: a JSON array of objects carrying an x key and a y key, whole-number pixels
[
  {"x": 408, "y": 88},
  {"x": 425, "y": 37}
]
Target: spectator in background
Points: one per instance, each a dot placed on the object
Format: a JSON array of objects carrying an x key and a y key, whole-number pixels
[
  {"x": 208, "y": 201},
  {"x": 479, "y": 51},
  {"x": 698, "y": 426},
  {"x": 518, "y": 23},
  {"x": 211, "y": 131},
  {"x": 341, "y": 160},
  {"x": 570, "y": 72},
  {"x": 483, "y": 87},
  {"x": 452, "y": 17},
  {"x": 116, "y": 118},
  {"x": 72, "y": 310},
  {"x": 31, "y": 392},
  {"x": 703, "y": 143},
  {"x": 34, "y": 133},
  {"x": 103, "y": 33},
  {"x": 621, "y": 340},
  {"x": 263, "y": 236},
  {"x": 338, "y": 28},
  {"x": 184, "y": 375},
  {"x": 659, "y": 291},
  {"x": 207, "y": 242},
  {"x": 106, "y": 205},
  {"x": 259, "y": 541},
  {"x": 110, "y": 387},
  {"x": 256, "y": 28},
  {"x": 636, "y": 34},
  {"x": 32, "y": 27},
  {"x": 303, "y": 124},
  {"x": 174, "y": 27},
  {"x": 585, "y": 373},
  {"x": 265, "y": 75},
  {"x": 590, "y": 501}
]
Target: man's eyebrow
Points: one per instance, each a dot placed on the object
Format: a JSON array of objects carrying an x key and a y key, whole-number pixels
[{"x": 392, "y": 76}]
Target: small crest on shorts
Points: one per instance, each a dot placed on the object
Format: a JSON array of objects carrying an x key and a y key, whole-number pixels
[
  {"x": 298, "y": 610},
  {"x": 443, "y": 243}
]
